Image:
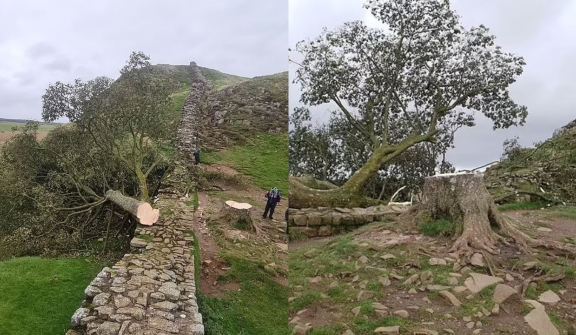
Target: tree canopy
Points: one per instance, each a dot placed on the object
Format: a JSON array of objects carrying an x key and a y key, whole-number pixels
[
  {"x": 417, "y": 81},
  {"x": 56, "y": 191},
  {"x": 128, "y": 118}
]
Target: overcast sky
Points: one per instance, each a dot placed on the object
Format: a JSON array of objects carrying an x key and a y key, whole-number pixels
[
  {"x": 42, "y": 42},
  {"x": 543, "y": 32}
]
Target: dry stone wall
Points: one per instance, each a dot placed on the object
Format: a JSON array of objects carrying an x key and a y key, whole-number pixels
[
  {"x": 190, "y": 134},
  {"x": 314, "y": 222},
  {"x": 151, "y": 291}
]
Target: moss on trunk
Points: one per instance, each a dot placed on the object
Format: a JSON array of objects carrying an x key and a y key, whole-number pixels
[{"x": 302, "y": 196}]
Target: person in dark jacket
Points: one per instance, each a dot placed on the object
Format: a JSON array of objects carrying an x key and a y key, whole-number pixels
[
  {"x": 273, "y": 199},
  {"x": 197, "y": 157}
]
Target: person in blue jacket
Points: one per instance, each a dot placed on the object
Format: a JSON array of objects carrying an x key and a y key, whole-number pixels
[{"x": 273, "y": 197}]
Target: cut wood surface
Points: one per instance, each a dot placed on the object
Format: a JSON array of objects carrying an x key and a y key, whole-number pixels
[
  {"x": 238, "y": 205},
  {"x": 141, "y": 210}
]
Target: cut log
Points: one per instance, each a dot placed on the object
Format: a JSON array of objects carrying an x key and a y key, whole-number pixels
[
  {"x": 142, "y": 211},
  {"x": 237, "y": 214}
]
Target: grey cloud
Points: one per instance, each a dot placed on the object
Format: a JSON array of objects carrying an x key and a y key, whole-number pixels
[
  {"x": 40, "y": 50},
  {"x": 513, "y": 22},
  {"x": 25, "y": 78},
  {"x": 63, "y": 40},
  {"x": 59, "y": 65}
]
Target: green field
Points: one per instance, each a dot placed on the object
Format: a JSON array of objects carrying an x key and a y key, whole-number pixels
[
  {"x": 38, "y": 296},
  {"x": 6, "y": 127}
]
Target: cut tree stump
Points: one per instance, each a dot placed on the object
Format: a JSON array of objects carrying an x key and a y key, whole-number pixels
[
  {"x": 464, "y": 199},
  {"x": 142, "y": 211},
  {"x": 237, "y": 214}
]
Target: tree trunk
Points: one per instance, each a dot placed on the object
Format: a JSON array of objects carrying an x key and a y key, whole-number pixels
[
  {"x": 382, "y": 155},
  {"x": 303, "y": 196},
  {"x": 143, "y": 186},
  {"x": 464, "y": 199},
  {"x": 141, "y": 210},
  {"x": 237, "y": 214},
  {"x": 350, "y": 194}
]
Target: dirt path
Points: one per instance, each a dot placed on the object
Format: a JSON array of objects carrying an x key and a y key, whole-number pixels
[
  {"x": 541, "y": 224},
  {"x": 375, "y": 277},
  {"x": 273, "y": 238}
]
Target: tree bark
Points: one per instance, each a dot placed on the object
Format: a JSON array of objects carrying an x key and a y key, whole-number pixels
[
  {"x": 303, "y": 196},
  {"x": 142, "y": 211},
  {"x": 464, "y": 199},
  {"x": 350, "y": 194},
  {"x": 237, "y": 214}
]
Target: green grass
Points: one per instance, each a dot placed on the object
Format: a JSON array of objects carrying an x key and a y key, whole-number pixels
[
  {"x": 210, "y": 157},
  {"x": 178, "y": 99},
  {"x": 565, "y": 212},
  {"x": 437, "y": 228},
  {"x": 266, "y": 161},
  {"x": 195, "y": 201},
  {"x": 39, "y": 295},
  {"x": 221, "y": 80},
  {"x": 42, "y": 128},
  {"x": 519, "y": 206},
  {"x": 259, "y": 308},
  {"x": 146, "y": 238}
]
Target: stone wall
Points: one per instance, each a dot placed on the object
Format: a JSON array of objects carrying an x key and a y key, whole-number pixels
[
  {"x": 314, "y": 222},
  {"x": 189, "y": 136},
  {"x": 151, "y": 291}
]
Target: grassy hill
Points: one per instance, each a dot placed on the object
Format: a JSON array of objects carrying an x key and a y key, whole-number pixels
[{"x": 544, "y": 172}]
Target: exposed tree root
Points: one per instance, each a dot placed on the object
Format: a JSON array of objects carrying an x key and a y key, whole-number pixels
[{"x": 464, "y": 199}]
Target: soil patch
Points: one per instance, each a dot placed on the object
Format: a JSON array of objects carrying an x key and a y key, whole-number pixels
[
  {"x": 270, "y": 246},
  {"x": 542, "y": 225},
  {"x": 5, "y": 136},
  {"x": 212, "y": 267}
]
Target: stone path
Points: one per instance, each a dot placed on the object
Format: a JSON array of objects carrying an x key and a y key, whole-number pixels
[{"x": 151, "y": 291}]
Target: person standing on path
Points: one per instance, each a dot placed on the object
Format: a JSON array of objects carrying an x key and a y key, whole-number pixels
[
  {"x": 273, "y": 199},
  {"x": 197, "y": 157}
]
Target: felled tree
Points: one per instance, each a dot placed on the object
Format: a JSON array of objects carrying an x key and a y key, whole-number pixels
[
  {"x": 128, "y": 118},
  {"x": 125, "y": 121},
  {"x": 405, "y": 85}
]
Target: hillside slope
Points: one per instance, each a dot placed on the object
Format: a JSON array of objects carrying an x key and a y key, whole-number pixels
[
  {"x": 256, "y": 105},
  {"x": 545, "y": 172}
]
